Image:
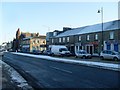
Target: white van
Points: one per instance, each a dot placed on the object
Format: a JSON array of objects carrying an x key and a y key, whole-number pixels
[{"x": 59, "y": 50}]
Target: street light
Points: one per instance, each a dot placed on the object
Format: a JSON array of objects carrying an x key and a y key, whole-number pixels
[{"x": 101, "y": 11}]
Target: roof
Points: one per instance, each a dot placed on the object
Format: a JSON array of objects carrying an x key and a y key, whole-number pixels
[
  {"x": 41, "y": 37},
  {"x": 112, "y": 25},
  {"x": 27, "y": 38}
]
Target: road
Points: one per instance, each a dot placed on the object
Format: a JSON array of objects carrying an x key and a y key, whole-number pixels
[{"x": 51, "y": 74}]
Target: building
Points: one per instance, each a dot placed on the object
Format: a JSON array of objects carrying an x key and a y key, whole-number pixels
[
  {"x": 89, "y": 38},
  {"x": 28, "y": 34},
  {"x": 51, "y": 34},
  {"x": 24, "y": 36},
  {"x": 31, "y": 44},
  {"x": 9, "y": 46}
]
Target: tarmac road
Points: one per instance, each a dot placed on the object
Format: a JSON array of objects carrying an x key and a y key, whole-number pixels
[{"x": 42, "y": 73}]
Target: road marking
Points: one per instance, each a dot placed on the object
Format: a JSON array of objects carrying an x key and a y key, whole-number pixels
[{"x": 63, "y": 70}]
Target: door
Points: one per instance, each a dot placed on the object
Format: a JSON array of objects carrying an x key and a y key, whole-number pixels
[
  {"x": 116, "y": 47},
  {"x": 87, "y": 49},
  {"x": 108, "y": 46},
  {"x": 72, "y": 49},
  {"x": 91, "y": 50}
]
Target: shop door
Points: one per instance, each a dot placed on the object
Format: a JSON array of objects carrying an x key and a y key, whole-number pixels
[
  {"x": 87, "y": 49},
  {"x": 108, "y": 46},
  {"x": 72, "y": 50},
  {"x": 116, "y": 47},
  {"x": 91, "y": 50}
]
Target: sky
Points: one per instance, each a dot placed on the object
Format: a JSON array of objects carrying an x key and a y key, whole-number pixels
[{"x": 43, "y": 17}]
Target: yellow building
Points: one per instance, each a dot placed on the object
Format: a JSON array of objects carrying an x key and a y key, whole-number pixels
[{"x": 33, "y": 44}]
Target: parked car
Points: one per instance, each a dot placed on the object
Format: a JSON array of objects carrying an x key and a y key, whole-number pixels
[
  {"x": 108, "y": 54},
  {"x": 83, "y": 54},
  {"x": 47, "y": 52},
  {"x": 36, "y": 52},
  {"x": 59, "y": 50},
  {"x": 1, "y": 53}
]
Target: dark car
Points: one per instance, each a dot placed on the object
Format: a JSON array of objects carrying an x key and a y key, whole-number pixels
[
  {"x": 47, "y": 52},
  {"x": 36, "y": 52}
]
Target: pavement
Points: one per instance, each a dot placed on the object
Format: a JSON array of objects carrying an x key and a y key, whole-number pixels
[
  {"x": 6, "y": 82},
  {"x": 94, "y": 59},
  {"x": 10, "y": 79}
]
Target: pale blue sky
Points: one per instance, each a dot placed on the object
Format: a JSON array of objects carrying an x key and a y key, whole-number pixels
[{"x": 49, "y": 16}]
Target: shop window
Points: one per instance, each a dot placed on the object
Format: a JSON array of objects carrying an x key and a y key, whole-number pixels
[
  {"x": 95, "y": 49},
  {"x": 38, "y": 41}
]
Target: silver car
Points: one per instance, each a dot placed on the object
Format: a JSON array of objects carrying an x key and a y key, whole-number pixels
[
  {"x": 1, "y": 53},
  {"x": 83, "y": 54},
  {"x": 108, "y": 54}
]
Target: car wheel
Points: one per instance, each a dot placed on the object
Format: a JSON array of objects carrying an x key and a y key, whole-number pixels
[
  {"x": 115, "y": 58},
  {"x": 52, "y": 54},
  {"x": 102, "y": 58},
  {"x": 76, "y": 56},
  {"x": 84, "y": 57},
  {"x": 90, "y": 57}
]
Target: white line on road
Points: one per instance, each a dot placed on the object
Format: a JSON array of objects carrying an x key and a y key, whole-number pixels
[{"x": 60, "y": 69}]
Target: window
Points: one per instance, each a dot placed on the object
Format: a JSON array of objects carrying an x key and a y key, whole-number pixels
[
  {"x": 63, "y": 39},
  {"x": 68, "y": 39},
  {"x": 96, "y": 36},
  {"x": 111, "y": 35},
  {"x": 52, "y": 40},
  {"x": 34, "y": 41},
  {"x": 63, "y": 49},
  {"x": 79, "y": 38},
  {"x": 88, "y": 37},
  {"x": 38, "y": 41},
  {"x": 60, "y": 40}
]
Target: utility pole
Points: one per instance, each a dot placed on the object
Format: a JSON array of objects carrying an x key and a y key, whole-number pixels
[{"x": 102, "y": 41}]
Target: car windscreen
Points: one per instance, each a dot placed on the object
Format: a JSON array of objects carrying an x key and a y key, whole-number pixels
[
  {"x": 63, "y": 49},
  {"x": 82, "y": 52}
]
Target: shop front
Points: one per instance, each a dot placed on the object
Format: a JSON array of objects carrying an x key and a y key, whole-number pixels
[
  {"x": 92, "y": 47},
  {"x": 112, "y": 45}
]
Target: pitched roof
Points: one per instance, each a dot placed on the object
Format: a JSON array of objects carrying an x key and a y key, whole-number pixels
[{"x": 112, "y": 25}]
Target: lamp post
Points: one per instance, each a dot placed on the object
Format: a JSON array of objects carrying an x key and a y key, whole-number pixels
[{"x": 102, "y": 41}]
